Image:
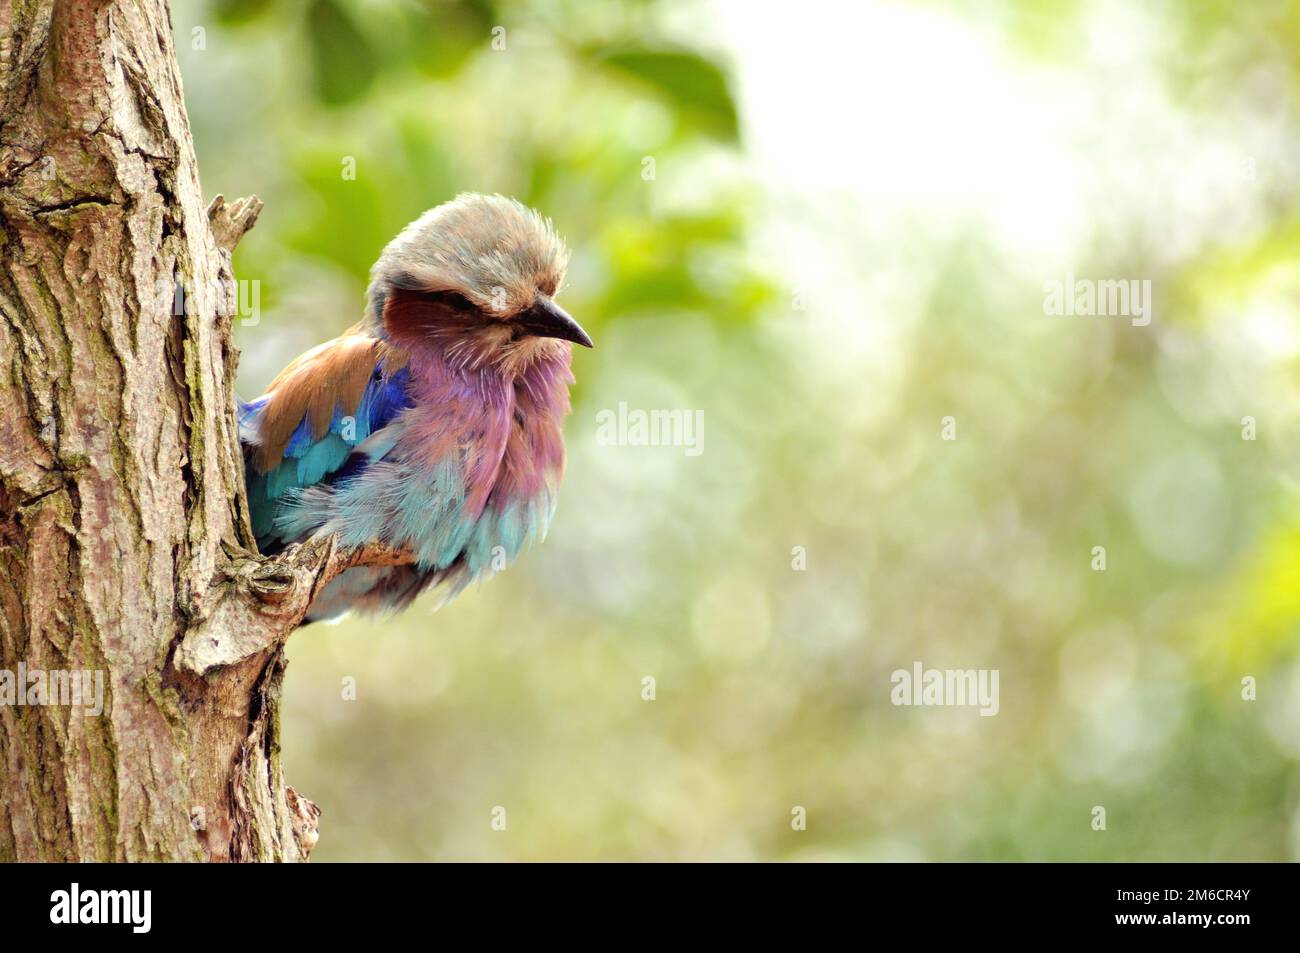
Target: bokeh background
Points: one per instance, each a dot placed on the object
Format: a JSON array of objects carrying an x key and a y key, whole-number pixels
[{"x": 852, "y": 215}]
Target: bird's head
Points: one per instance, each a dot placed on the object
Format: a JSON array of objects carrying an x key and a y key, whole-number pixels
[{"x": 475, "y": 277}]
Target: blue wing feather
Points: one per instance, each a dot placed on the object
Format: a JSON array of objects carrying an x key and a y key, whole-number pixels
[{"x": 334, "y": 457}]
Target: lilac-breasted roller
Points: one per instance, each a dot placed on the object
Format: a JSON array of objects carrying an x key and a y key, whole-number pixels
[{"x": 434, "y": 423}]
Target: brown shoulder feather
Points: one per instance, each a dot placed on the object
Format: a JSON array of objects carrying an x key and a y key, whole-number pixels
[{"x": 331, "y": 375}]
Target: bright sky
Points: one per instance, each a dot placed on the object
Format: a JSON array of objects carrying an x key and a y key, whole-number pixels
[{"x": 876, "y": 125}]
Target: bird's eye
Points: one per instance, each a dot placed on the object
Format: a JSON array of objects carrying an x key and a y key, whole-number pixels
[{"x": 453, "y": 300}]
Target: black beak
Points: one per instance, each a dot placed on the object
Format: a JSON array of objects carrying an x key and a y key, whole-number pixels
[{"x": 548, "y": 320}]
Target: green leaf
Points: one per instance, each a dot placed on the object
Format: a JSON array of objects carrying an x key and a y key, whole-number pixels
[
  {"x": 343, "y": 59},
  {"x": 693, "y": 85}
]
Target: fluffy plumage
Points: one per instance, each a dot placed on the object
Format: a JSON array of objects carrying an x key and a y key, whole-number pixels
[{"x": 434, "y": 423}]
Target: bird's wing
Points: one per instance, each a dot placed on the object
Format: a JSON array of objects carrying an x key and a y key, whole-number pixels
[{"x": 321, "y": 420}]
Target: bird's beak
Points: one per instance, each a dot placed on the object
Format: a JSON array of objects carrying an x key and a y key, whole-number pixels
[{"x": 548, "y": 320}]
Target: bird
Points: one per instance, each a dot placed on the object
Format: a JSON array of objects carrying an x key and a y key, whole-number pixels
[{"x": 434, "y": 424}]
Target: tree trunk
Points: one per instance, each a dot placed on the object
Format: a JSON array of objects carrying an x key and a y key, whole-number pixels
[{"x": 124, "y": 540}]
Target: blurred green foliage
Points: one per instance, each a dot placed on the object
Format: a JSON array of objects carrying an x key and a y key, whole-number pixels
[{"x": 1119, "y": 688}]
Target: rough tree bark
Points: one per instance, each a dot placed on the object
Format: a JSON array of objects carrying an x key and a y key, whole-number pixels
[{"x": 124, "y": 538}]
